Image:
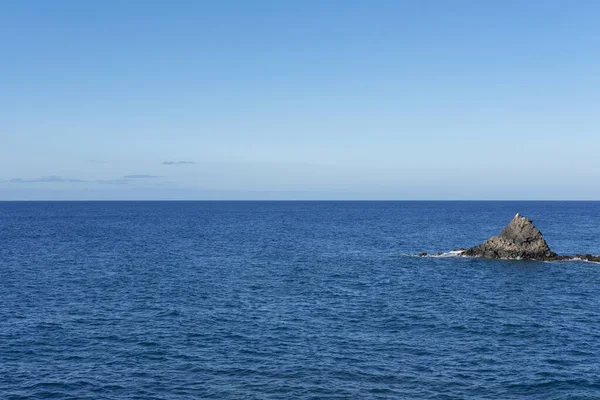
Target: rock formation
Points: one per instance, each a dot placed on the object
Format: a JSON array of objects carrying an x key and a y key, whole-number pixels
[{"x": 520, "y": 239}]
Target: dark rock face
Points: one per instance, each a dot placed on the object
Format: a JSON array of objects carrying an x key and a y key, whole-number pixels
[{"x": 520, "y": 239}]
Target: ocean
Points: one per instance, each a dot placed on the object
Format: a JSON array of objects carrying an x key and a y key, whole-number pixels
[{"x": 293, "y": 300}]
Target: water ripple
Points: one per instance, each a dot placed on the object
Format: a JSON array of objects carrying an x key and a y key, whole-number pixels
[{"x": 290, "y": 300}]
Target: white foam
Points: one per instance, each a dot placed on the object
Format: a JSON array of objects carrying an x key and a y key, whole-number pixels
[
  {"x": 461, "y": 253},
  {"x": 582, "y": 260},
  {"x": 453, "y": 253}
]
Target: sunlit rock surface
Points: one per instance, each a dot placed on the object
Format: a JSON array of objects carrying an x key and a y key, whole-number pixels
[{"x": 520, "y": 239}]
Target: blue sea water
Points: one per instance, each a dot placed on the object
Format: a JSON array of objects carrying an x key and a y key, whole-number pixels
[{"x": 293, "y": 300}]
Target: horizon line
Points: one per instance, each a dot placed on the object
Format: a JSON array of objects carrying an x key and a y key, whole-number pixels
[{"x": 293, "y": 200}]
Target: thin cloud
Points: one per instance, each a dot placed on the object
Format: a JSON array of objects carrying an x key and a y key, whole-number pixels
[
  {"x": 112, "y": 181},
  {"x": 48, "y": 179},
  {"x": 177, "y": 162},
  {"x": 60, "y": 179},
  {"x": 141, "y": 176}
]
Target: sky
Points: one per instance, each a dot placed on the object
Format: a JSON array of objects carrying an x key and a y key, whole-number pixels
[{"x": 390, "y": 100}]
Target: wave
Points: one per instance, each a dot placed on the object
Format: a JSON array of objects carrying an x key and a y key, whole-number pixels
[
  {"x": 461, "y": 253},
  {"x": 579, "y": 259},
  {"x": 453, "y": 253}
]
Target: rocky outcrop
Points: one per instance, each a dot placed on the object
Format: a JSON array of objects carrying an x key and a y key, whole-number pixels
[{"x": 520, "y": 239}]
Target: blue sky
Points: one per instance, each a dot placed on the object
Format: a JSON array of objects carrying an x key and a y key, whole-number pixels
[{"x": 299, "y": 100}]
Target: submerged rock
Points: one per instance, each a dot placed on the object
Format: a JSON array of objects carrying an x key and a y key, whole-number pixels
[
  {"x": 584, "y": 257},
  {"x": 520, "y": 239}
]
